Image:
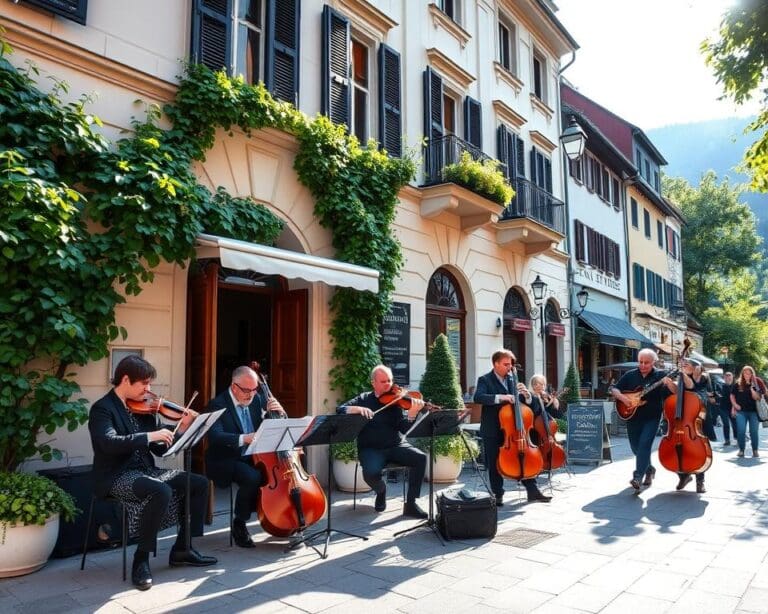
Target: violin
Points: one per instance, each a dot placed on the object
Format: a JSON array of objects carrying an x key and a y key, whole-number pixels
[
  {"x": 685, "y": 449},
  {"x": 518, "y": 458},
  {"x": 402, "y": 398},
  {"x": 291, "y": 499},
  {"x": 152, "y": 404}
]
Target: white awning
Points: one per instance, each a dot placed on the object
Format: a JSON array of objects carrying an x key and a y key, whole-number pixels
[{"x": 242, "y": 256}]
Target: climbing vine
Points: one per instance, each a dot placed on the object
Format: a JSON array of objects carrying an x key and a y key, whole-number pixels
[{"x": 85, "y": 222}]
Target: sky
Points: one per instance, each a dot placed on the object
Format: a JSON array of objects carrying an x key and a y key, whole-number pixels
[{"x": 641, "y": 60}]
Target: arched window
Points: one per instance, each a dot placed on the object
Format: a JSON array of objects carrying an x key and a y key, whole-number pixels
[
  {"x": 446, "y": 314},
  {"x": 516, "y": 325}
]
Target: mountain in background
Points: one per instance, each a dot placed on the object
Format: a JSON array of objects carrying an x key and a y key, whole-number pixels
[{"x": 693, "y": 149}]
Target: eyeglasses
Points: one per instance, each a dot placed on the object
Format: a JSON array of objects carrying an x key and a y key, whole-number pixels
[{"x": 246, "y": 390}]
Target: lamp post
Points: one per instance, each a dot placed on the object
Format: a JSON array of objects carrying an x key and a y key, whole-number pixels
[
  {"x": 573, "y": 139},
  {"x": 539, "y": 288}
]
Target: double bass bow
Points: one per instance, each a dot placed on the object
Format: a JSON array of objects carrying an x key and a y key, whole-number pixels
[
  {"x": 518, "y": 458},
  {"x": 684, "y": 448},
  {"x": 291, "y": 499}
]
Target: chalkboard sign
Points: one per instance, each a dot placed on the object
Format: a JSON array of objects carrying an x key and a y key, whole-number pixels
[
  {"x": 586, "y": 422},
  {"x": 395, "y": 345}
]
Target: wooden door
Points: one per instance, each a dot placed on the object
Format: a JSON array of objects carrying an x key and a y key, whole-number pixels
[{"x": 288, "y": 379}]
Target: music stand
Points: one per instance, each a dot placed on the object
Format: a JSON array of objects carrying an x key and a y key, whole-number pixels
[
  {"x": 186, "y": 441},
  {"x": 440, "y": 422},
  {"x": 325, "y": 430}
]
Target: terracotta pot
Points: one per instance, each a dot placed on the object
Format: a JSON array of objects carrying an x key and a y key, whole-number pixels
[
  {"x": 26, "y": 548},
  {"x": 344, "y": 476}
]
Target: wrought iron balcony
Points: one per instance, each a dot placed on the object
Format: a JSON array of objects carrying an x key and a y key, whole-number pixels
[
  {"x": 531, "y": 201},
  {"x": 445, "y": 150}
]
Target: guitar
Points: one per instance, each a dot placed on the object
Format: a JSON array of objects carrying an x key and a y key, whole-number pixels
[{"x": 637, "y": 398}]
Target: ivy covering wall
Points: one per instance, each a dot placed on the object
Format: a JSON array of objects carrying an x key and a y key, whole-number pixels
[{"x": 84, "y": 222}]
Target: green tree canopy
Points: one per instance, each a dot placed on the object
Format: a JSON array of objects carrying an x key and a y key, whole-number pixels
[
  {"x": 719, "y": 237},
  {"x": 440, "y": 381},
  {"x": 739, "y": 60}
]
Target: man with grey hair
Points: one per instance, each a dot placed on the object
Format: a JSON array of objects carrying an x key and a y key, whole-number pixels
[{"x": 643, "y": 425}]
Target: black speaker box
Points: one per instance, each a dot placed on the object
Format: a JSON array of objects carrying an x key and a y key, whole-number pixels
[{"x": 105, "y": 527}]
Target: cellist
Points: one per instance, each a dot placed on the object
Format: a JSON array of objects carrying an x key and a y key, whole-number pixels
[
  {"x": 493, "y": 390},
  {"x": 247, "y": 403}
]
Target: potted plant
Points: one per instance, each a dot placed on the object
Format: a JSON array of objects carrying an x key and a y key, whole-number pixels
[
  {"x": 483, "y": 178},
  {"x": 344, "y": 457},
  {"x": 30, "y": 509},
  {"x": 450, "y": 454}
]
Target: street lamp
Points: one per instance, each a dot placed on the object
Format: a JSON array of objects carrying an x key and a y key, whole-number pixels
[{"x": 573, "y": 139}]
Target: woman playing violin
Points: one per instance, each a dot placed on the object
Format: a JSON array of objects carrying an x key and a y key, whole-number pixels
[
  {"x": 381, "y": 440},
  {"x": 124, "y": 468}
]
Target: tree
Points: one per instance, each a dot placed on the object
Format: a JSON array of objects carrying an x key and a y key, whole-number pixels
[
  {"x": 719, "y": 236},
  {"x": 440, "y": 382},
  {"x": 740, "y": 63}
]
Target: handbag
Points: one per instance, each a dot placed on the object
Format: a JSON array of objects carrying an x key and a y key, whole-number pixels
[
  {"x": 466, "y": 514},
  {"x": 762, "y": 409}
]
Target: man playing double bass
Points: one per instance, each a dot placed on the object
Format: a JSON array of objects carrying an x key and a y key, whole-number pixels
[
  {"x": 643, "y": 425},
  {"x": 247, "y": 402},
  {"x": 493, "y": 390},
  {"x": 381, "y": 441}
]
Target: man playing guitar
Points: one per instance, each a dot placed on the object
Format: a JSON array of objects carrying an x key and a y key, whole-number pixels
[{"x": 643, "y": 423}]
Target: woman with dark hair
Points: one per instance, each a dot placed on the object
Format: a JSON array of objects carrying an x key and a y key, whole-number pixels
[{"x": 745, "y": 394}]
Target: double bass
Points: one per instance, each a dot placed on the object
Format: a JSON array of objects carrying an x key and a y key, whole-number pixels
[
  {"x": 518, "y": 458},
  {"x": 291, "y": 499},
  {"x": 685, "y": 449},
  {"x": 545, "y": 427}
]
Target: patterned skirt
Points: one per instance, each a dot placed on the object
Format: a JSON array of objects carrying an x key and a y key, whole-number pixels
[{"x": 122, "y": 489}]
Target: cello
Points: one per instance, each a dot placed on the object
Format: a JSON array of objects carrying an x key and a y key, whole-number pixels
[
  {"x": 545, "y": 428},
  {"x": 291, "y": 499},
  {"x": 518, "y": 458},
  {"x": 684, "y": 449}
]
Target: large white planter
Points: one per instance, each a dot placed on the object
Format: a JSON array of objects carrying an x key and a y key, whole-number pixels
[
  {"x": 26, "y": 548},
  {"x": 344, "y": 476},
  {"x": 446, "y": 469}
]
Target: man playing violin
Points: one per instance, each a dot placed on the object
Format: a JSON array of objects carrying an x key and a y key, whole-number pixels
[
  {"x": 124, "y": 468},
  {"x": 644, "y": 424},
  {"x": 247, "y": 402},
  {"x": 493, "y": 390},
  {"x": 381, "y": 440}
]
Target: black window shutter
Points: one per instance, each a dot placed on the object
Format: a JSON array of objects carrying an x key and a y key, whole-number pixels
[
  {"x": 505, "y": 150},
  {"x": 473, "y": 122},
  {"x": 390, "y": 118},
  {"x": 212, "y": 34},
  {"x": 519, "y": 156},
  {"x": 281, "y": 70},
  {"x": 547, "y": 174},
  {"x": 75, "y": 10},
  {"x": 337, "y": 91},
  {"x": 433, "y": 105}
]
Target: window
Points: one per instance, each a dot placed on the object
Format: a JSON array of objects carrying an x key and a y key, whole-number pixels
[
  {"x": 507, "y": 44},
  {"x": 516, "y": 323},
  {"x": 452, "y": 8},
  {"x": 350, "y": 94},
  {"x": 539, "y": 76},
  {"x": 511, "y": 152},
  {"x": 633, "y": 212},
  {"x": 261, "y": 41},
  {"x": 449, "y": 114},
  {"x": 597, "y": 250},
  {"x": 576, "y": 169},
  {"x": 660, "y": 233},
  {"x": 446, "y": 314},
  {"x": 541, "y": 170},
  {"x": 615, "y": 193},
  {"x": 647, "y": 223}
]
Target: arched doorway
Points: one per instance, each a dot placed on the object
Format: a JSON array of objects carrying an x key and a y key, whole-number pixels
[
  {"x": 552, "y": 331},
  {"x": 446, "y": 314},
  {"x": 516, "y": 325}
]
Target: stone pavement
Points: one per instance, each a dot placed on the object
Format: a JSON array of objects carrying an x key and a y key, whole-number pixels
[{"x": 611, "y": 551}]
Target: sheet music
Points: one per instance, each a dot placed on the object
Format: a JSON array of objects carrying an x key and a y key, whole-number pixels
[
  {"x": 277, "y": 435},
  {"x": 194, "y": 433}
]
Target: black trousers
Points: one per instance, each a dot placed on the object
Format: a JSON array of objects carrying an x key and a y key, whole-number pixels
[
  {"x": 159, "y": 495},
  {"x": 491, "y": 448},
  {"x": 373, "y": 460},
  {"x": 249, "y": 480}
]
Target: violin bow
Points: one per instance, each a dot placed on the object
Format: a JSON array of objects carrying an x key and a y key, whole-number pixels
[
  {"x": 185, "y": 412},
  {"x": 392, "y": 402}
]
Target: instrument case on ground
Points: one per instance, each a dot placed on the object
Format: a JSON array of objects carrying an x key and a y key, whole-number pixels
[{"x": 466, "y": 514}]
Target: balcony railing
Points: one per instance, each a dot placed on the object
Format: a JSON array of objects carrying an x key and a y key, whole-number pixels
[
  {"x": 445, "y": 150},
  {"x": 531, "y": 201}
]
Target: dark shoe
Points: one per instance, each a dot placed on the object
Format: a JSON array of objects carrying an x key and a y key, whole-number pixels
[
  {"x": 740, "y": 453},
  {"x": 700, "y": 488},
  {"x": 538, "y": 496},
  {"x": 755, "y": 453},
  {"x": 240, "y": 535},
  {"x": 190, "y": 557},
  {"x": 141, "y": 576},
  {"x": 635, "y": 483},
  {"x": 684, "y": 481},
  {"x": 727, "y": 442},
  {"x": 499, "y": 500},
  {"x": 413, "y": 510},
  {"x": 381, "y": 501},
  {"x": 649, "y": 475}
]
